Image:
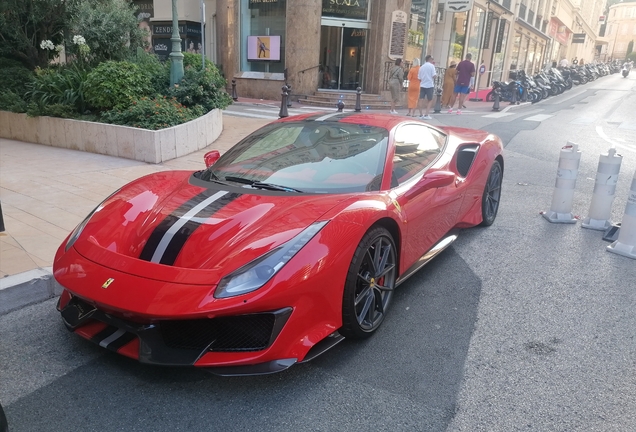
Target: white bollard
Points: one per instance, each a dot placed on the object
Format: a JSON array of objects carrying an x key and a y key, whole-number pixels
[
  {"x": 561, "y": 208},
  {"x": 626, "y": 243},
  {"x": 609, "y": 166}
]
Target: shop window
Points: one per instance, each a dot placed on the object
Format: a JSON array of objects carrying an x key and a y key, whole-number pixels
[
  {"x": 458, "y": 37},
  {"x": 265, "y": 22},
  {"x": 477, "y": 24}
]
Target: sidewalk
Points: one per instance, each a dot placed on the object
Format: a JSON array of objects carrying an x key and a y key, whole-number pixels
[{"x": 46, "y": 191}]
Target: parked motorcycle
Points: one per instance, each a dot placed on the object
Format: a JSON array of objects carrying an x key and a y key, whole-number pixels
[{"x": 625, "y": 70}]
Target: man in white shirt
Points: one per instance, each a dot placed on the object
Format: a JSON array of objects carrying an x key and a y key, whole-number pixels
[
  {"x": 427, "y": 75},
  {"x": 564, "y": 62}
]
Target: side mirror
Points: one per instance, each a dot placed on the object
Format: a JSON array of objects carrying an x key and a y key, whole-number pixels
[
  {"x": 211, "y": 157},
  {"x": 432, "y": 180},
  {"x": 436, "y": 179}
]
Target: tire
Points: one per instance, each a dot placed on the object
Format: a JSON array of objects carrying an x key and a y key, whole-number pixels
[
  {"x": 492, "y": 194},
  {"x": 490, "y": 97},
  {"x": 369, "y": 284},
  {"x": 4, "y": 427}
]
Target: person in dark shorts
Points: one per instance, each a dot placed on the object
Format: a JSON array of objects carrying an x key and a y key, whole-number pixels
[
  {"x": 427, "y": 76},
  {"x": 465, "y": 71}
]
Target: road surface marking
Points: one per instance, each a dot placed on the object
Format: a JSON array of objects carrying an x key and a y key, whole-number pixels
[
  {"x": 498, "y": 115},
  {"x": 539, "y": 117}
]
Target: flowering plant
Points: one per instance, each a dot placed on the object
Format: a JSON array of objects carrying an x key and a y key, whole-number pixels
[
  {"x": 47, "y": 45},
  {"x": 79, "y": 40}
]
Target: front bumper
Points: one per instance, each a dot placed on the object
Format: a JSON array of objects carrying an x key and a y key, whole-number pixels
[{"x": 179, "y": 342}]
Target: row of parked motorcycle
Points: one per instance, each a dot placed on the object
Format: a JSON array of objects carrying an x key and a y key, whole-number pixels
[{"x": 549, "y": 82}]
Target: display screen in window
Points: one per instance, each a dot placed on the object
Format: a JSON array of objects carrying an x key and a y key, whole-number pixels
[{"x": 263, "y": 48}]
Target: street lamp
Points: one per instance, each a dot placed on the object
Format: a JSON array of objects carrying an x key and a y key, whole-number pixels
[{"x": 176, "y": 56}]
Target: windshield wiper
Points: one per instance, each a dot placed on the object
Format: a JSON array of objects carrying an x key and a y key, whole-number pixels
[
  {"x": 208, "y": 175},
  {"x": 261, "y": 185}
]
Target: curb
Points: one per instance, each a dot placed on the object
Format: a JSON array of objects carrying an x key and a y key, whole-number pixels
[{"x": 24, "y": 289}]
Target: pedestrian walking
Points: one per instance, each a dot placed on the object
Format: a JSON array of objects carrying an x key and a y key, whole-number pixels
[
  {"x": 426, "y": 75},
  {"x": 414, "y": 88},
  {"x": 448, "y": 90},
  {"x": 396, "y": 76},
  {"x": 465, "y": 71}
]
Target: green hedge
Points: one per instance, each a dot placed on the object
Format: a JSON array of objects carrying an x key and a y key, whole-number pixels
[
  {"x": 115, "y": 84},
  {"x": 155, "y": 113}
]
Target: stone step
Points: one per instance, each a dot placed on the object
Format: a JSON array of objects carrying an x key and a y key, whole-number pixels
[{"x": 349, "y": 104}]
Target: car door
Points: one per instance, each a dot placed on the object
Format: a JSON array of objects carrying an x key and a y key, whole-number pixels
[{"x": 424, "y": 189}]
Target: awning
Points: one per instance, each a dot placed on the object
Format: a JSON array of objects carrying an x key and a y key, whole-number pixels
[{"x": 558, "y": 30}]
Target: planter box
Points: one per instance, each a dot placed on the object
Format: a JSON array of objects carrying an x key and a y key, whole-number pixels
[{"x": 122, "y": 141}]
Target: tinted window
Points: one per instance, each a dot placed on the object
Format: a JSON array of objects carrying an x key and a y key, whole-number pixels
[
  {"x": 416, "y": 147},
  {"x": 322, "y": 157}
]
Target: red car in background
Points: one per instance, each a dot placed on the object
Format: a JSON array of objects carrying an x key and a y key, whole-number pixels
[{"x": 293, "y": 240}]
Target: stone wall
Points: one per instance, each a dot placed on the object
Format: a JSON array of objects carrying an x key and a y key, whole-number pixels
[{"x": 121, "y": 141}]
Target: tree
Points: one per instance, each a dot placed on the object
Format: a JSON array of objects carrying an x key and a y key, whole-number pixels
[
  {"x": 24, "y": 24},
  {"x": 108, "y": 27}
]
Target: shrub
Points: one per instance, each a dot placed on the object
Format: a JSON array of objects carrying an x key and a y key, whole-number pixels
[
  {"x": 15, "y": 76},
  {"x": 64, "y": 85},
  {"x": 10, "y": 101},
  {"x": 116, "y": 84},
  {"x": 155, "y": 113},
  {"x": 205, "y": 88},
  {"x": 158, "y": 72},
  {"x": 194, "y": 60},
  {"x": 52, "y": 110}
]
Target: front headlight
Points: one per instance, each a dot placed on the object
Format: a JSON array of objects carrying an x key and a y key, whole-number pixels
[
  {"x": 78, "y": 229},
  {"x": 258, "y": 272}
]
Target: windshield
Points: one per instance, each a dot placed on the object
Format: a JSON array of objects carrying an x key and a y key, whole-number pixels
[{"x": 312, "y": 157}]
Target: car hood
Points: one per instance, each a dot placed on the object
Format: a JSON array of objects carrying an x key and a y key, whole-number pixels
[{"x": 165, "y": 219}]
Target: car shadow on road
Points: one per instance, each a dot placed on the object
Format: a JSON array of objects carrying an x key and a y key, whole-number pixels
[{"x": 406, "y": 377}]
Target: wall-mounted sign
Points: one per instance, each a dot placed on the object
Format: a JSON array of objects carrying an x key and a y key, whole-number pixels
[
  {"x": 578, "y": 38},
  {"x": 352, "y": 9},
  {"x": 189, "y": 31},
  {"x": 263, "y": 48},
  {"x": 458, "y": 5},
  {"x": 398, "y": 34},
  {"x": 601, "y": 19}
]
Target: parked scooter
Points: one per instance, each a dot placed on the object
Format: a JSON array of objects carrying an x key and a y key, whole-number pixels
[{"x": 625, "y": 70}]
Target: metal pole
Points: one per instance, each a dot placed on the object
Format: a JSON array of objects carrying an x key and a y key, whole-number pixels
[
  {"x": 358, "y": 106},
  {"x": 176, "y": 56},
  {"x": 202, "y": 35},
  {"x": 283, "y": 104}
]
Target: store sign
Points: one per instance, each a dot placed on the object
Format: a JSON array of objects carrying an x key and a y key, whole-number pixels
[
  {"x": 458, "y": 5},
  {"x": 352, "y": 9},
  {"x": 578, "y": 38},
  {"x": 488, "y": 30},
  {"x": 601, "y": 19},
  {"x": 398, "y": 34}
]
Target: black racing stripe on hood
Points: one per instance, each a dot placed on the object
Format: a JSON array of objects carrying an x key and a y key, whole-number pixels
[
  {"x": 181, "y": 236},
  {"x": 176, "y": 239},
  {"x": 160, "y": 230}
]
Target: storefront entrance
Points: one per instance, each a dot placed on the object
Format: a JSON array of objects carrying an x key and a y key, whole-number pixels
[{"x": 342, "y": 53}]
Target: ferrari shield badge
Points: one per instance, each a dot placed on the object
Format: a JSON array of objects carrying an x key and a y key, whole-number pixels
[{"x": 107, "y": 283}]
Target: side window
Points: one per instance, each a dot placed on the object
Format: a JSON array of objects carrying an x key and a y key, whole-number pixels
[{"x": 416, "y": 147}]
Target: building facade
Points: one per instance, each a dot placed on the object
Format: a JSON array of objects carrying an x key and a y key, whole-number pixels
[
  {"x": 340, "y": 45},
  {"x": 621, "y": 29}
]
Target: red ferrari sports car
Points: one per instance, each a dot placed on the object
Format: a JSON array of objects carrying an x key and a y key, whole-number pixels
[{"x": 290, "y": 242}]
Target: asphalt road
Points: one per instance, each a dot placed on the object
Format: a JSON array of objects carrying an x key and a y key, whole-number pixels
[{"x": 525, "y": 325}]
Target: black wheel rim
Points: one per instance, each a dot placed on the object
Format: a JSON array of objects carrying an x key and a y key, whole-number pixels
[
  {"x": 493, "y": 192},
  {"x": 375, "y": 283}
]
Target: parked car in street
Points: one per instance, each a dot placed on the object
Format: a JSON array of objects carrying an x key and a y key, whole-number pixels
[{"x": 293, "y": 240}]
